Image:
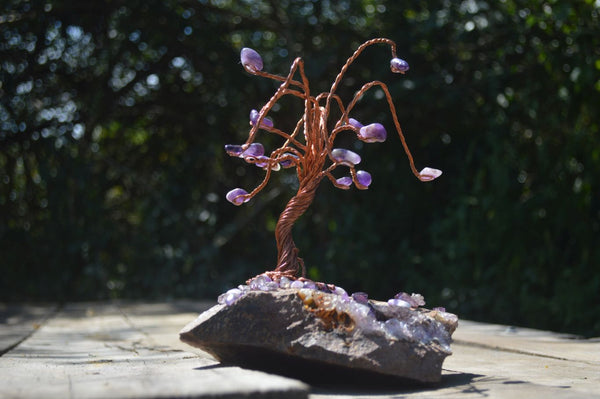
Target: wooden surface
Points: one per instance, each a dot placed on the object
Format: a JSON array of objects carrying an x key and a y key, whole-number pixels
[{"x": 122, "y": 350}]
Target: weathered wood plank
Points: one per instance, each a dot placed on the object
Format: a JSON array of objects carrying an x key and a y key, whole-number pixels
[
  {"x": 19, "y": 322},
  {"x": 562, "y": 377},
  {"x": 95, "y": 351},
  {"x": 560, "y": 364},
  {"x": 133, "y": 351},
  {"x": 172, "y": 318},
  {"x": 530, "y": 341},
  {"x": 455, "y": 385}
]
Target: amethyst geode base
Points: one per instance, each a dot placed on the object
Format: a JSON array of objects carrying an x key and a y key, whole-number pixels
[{"x": 306, "y": 332}]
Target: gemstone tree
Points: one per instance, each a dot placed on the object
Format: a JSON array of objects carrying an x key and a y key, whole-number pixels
[{"x": 312, "y": 153}]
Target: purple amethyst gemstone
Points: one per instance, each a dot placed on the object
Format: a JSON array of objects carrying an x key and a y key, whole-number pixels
[
  {"x": 237, "y": 196},
  {"x": 361, "y": 297},
  {"x": 415, "y": 300},
  {"x": 345, "y": 157},
  {"x": 429, "y": 174},
  {"x": 284, "y": 282},
  {"x": 355, "y": 123},
  {"x": 286, "y": 163},
  {"x": 296, "y": 284},
  {"x": 398, "y": 303},
  {"x": 373, "y": 133},
  {"x": 261, "y": 283},
  {"x": 254, "y": 150},
  {"x": 244, "y": 288},
  {"x": 234, "y": 150},
  {"x": 230, "y": 297},
  {"x": 345, "y": 181},
  {"x": 418, "y": 299},
  {"x": 251, "y": 60},
  {"x": 265, "y": 123},
  {"x": 264, "y": 161},
  {"x": 364, "y": 178},
  {"x": 398, "y": 65}
]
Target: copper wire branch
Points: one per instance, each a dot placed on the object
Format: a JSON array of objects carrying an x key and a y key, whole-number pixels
[{"x": 312, "y": 152}]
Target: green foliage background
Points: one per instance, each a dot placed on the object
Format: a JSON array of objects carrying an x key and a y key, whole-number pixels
[{"x": 113, "y": 117}]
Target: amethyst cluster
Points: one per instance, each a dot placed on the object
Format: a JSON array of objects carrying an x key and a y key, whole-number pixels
[
  {"x": 395, "y": 318},
  {"x": 263, "y": 282}
]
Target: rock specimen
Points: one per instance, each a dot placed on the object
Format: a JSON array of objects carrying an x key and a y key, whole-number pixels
[{"x": 308, "y": 329}]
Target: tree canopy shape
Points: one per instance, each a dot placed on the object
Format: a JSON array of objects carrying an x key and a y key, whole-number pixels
[{"x": 309, "y": 155}]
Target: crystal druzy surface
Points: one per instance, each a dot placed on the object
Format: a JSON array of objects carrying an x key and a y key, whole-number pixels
[
  {"x": 289, "y": 323},
  {"x": 334, "y": 306}
]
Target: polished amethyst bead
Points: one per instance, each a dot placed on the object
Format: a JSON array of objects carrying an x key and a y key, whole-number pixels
[
  {"x": 251, "y": 60},
  {"x": 398, "y": 65},
  {"x": 296, "y": 284},
  {"x": 429, "y": 174},
  {"x": 355, "y": 123},
  {"x": 345, "y": 181},
  {"x": 237, "y": 196},
  {"x": 363, "y": 178},
  {"x": 254, "y": 150},
  {"x": 286, "y": 163},
  {"x": 265, "y": 123},
  {"x": 234, "y": 150},
  {"x": 230, "y": 297},
  {"x": 373, "y": 133},
  {"x": 398, "y": 303},
  {"x": 284, "y": 282},
  {"x": 261, "y": 283},
  {"x": 345, "y": 157},
  {"x": 262, "y": 161},
  {"x": 244, "y": 288}
]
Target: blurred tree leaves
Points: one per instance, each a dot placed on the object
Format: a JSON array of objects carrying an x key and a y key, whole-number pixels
[{"x": 113, "y": 116}]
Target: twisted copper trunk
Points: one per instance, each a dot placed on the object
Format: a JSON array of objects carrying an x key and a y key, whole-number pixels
[{"x": 288, "y": 261}]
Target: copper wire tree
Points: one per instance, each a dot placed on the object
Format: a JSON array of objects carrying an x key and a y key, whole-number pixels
[{"x": 312, "y": 153}]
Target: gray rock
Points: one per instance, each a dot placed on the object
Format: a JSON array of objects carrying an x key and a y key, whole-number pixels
[{"x": 313, "y": 335}]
